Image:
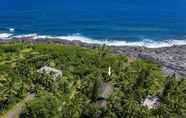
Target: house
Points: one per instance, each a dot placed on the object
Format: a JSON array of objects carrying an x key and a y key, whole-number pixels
[
  {"x": 151, "y": 102},
  {"x": 104, "y": 91},
  {"x": 54, "y": 73}
]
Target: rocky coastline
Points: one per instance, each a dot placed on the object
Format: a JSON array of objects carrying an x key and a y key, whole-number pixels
[{"x": 172, "y": 59}]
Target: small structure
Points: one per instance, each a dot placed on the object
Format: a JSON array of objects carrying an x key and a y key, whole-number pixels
[
  {"x": 152, "y": 102},
  {"x": 131, "y": 59},
  {"x": 103, "y": 93},
  {"x": 50, "y": 71}
]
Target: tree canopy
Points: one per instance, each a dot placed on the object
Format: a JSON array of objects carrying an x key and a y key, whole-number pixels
[{"x": 74, "y": 94}]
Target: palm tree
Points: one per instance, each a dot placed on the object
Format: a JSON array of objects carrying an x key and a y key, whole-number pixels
[{"x": 102, "y": 53}]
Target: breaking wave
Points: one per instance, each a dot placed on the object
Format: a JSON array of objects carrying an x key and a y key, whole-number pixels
[
  {"x": 5, "y": 36},
  {"x": 77, "y": 37}
]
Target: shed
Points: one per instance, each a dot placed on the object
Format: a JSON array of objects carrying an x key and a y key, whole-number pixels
[{"x": 104, "y": 91}]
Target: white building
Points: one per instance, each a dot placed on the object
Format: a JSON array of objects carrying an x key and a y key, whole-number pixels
[{"x": 50, "y": 71}]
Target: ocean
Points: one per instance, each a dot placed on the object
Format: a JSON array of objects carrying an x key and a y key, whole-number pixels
[{"x": 151, "y": 23}]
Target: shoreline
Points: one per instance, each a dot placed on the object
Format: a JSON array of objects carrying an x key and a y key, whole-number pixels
[
  {"x": 172, "y": 59},
  {"x": 145, "y": 42}
]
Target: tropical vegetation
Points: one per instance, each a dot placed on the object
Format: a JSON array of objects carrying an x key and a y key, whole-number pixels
[{"x": 73, "y": 95}]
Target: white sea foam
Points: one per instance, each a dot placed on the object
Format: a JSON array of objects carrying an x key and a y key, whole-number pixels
[
  {"x": 25, "y": 36},
  {"x": 146, "y": 42},
  {"x": 77, "y": 37},
  {"x": 5, "y": 36}
]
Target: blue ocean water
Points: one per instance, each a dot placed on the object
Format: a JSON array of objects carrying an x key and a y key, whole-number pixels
[{"x": 124, "y": 20}]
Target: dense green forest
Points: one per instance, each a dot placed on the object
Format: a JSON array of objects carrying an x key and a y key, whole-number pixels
[{"x": 75, "y": 94}]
